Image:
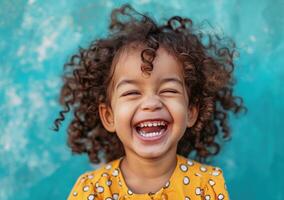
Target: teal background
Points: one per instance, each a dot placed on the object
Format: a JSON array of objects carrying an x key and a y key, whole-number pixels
[{"x": 38, "y": 37}]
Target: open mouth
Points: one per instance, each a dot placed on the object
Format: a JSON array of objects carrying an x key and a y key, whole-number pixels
[{"x": 151, "y": 130}]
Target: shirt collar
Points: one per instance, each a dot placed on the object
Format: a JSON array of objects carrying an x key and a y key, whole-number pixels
[{"x": 170, "y": 185}]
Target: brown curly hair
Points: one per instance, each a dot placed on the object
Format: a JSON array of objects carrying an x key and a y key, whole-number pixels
[{"x": 208, "y": 73}]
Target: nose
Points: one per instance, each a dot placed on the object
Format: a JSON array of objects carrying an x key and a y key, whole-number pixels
[{"x": 151, "y": 102}]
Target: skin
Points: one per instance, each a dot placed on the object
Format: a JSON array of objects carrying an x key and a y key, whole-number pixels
[{"x": 147, "y": 166}]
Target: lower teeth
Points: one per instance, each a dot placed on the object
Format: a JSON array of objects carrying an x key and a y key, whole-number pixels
[{"x": 150, "y": 134}]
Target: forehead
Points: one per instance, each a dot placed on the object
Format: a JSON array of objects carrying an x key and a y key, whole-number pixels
[{"x": 128, "y": 66}]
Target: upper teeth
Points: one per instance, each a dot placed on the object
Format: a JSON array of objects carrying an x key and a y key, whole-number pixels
[{"x": 150, "y": 124}]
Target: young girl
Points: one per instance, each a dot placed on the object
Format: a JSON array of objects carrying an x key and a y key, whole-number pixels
[{"x": 144, "y": 98}]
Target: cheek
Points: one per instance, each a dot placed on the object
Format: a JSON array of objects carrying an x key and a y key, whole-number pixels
[
  {"x": 177, "y": 104},
  {"x": 178, "y": 109},
  {"x": 123, "y": 114}
]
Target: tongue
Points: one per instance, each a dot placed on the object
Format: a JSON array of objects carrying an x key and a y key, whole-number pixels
[{"x": 151, "y": 129}]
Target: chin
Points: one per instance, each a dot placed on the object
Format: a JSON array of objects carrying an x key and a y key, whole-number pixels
[{"x": 151, "y": 153}]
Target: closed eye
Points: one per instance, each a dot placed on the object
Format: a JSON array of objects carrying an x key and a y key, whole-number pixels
[
  {"x": 130, "y": 93},
  {"x": 171, "y": 91}
]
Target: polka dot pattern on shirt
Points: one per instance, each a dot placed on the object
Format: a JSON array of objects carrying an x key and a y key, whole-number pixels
[{"x": 189, "y": 181}]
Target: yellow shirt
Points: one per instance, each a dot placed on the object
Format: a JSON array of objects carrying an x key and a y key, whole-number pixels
[{"x": 190, "y": 180}]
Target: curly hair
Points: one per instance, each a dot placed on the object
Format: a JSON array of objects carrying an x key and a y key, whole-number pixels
[{"x": 208, "y": 67}]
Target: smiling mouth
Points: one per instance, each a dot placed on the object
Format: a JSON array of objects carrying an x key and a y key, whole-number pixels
[{"x": 150, "y": 133}]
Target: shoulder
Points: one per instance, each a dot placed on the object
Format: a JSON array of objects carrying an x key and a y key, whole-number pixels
[
  {"x": 209, "y": 179},
  {"x": 199, "y": 169},
  {"x": 88, "y": 184}
]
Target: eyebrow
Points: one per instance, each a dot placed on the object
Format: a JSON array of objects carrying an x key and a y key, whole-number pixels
[{"x": 135, "y": 82}]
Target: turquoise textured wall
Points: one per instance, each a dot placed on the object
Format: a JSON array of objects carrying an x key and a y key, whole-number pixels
[{"x": 37, "y": 38}]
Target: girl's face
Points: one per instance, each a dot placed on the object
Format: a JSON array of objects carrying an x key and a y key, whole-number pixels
[{"x": 160, "y": 98}]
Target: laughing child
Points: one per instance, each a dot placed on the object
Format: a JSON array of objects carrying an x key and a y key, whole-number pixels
[{"x": 145, "y": 98}]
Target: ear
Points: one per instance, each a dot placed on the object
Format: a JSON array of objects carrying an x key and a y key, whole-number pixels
[
  {"x": 106, "y": 116},
  {"x": 192, "y": 115}
]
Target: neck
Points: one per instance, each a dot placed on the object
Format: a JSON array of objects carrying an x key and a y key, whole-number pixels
[{"x": 133, "y": 166}]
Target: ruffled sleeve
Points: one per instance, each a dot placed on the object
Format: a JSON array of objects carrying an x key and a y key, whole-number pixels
[
  {"x": 84, "y": 188},
  {"x": 215, "y": 186}
]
